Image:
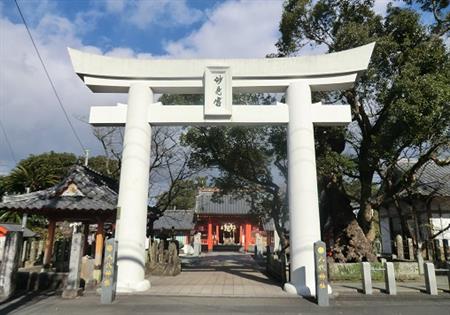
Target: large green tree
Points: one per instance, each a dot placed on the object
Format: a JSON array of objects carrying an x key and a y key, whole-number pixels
[
  {"x": 400, "y": 106},
  {"x": 39, "y": 172},
  {"x": 181, "y": 195}
]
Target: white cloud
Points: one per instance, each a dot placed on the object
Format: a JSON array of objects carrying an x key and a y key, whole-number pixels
[
  {"x": 125, "y": 52},
  {"x": 233, "y": 29},
  {"x": 380, "y": 6},
  {"x": 115, "y": 5},
  {"x": 28, "y": 108},
  {"x": 165, "y": 13},
  {"x": 86, "y": 21}
]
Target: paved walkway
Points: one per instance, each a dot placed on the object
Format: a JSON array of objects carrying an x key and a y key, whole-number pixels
[{"x": 217, "y": 274}]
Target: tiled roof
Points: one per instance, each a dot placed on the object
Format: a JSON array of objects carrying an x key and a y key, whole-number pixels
[
  {"x": 94, "y": 192},
  {"x": 225, "y": 205},
  {"x": 16, "y": 228},
  {"x": 270, "y": 226},
  {"x": 179, "y": 219},
  {"x": 431, "y": 179}
]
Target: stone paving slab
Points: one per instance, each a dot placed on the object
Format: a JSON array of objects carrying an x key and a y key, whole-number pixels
[{"x": 217, "y": 274}]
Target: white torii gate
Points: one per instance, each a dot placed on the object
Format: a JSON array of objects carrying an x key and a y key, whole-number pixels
[{"x": 218, "y": 79}]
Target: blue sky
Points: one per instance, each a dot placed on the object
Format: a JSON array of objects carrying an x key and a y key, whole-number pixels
[
  {"x": 144, "y": 25},
  {"x": 135, "y": 29}
]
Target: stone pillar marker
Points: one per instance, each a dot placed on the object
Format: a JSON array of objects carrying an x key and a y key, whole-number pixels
[
  {"x": 321, "y": 273},
  {"x": 446, "y": 249},
  {"x": 366, "y": 276},
  {"x": 276, "y": 239},
  {"x": 399, "y": 247},
  {"x": 25, "y": 252},
  {"x": 419, "y": 257},
  {"x": 72, "y": 290},
  {"x": 410, "y": 249},
  {"x": 430, "y": 279},
  {"x": 10, "y": 264},
  {"x": 109, "y": 282},
  {"x": 33, "y": 254},
  {"x": 389, "y": 278},
  {"x": 40, "y": 251},
  {"x": 33, "y": 251},
  {"x": 448, "y": 273}
]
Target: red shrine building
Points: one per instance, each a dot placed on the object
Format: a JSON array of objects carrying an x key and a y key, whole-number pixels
[{"x": 224, "y": 222}]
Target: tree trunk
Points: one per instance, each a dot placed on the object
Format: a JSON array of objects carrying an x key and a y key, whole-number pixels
[{"x": 350, "y": 243}]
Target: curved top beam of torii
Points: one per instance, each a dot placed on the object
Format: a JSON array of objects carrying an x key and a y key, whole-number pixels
[
  {"x": 218, "y": 79},
  {"x": 329, "y": 71}
]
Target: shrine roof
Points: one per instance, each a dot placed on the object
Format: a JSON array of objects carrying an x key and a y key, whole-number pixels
[
  {"x": 83, "y": 189},
  {"x": 179, "y": 219},
  {"x": 430, "y": 179},
  {"x": 207, "y": 203}
]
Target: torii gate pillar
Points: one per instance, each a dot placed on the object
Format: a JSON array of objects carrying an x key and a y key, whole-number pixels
[
  {"x": 302, "y": 190},
  {"x": 133, "y": 192}
]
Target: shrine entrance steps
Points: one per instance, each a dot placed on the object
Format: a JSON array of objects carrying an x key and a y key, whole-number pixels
[
  {"x": 217, "y": 274},
  {"x": 227, "y": 248}
]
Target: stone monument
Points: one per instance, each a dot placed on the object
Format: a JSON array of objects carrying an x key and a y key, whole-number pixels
[
  {"x": 197, "y": 243},
  {"x": 162, "y": 261},
  {"x": 73, "y": 287},
  {"x": 10, "y": 264}
]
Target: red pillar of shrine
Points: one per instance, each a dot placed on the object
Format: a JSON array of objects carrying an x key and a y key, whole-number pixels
[
  {"x": 210, "y": 239},
  {"x": 217, "y": 234},
  {"x": 241, "y": 235},
  {"x": 248, "y": 235}
]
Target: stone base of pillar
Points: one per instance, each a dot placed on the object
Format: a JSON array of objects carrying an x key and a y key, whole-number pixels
[
  {"x": 141, "y": 286},
  {"x": 301, "y": 290},
  {"x": 297, "y": 289},
  {"x": 72, "y": 293},
  {"x": 97, "y": 275}
]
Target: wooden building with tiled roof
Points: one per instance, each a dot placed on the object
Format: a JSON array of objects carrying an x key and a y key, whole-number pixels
[{"x": 84, "y": 195}]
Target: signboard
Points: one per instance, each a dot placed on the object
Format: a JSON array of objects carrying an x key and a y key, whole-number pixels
[
  {"x": 218, "y": 92},
  {"x": 320, "y": 260},
  {"x": 109, "y": 272}
]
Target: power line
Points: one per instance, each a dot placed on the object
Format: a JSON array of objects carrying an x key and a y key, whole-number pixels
[
  {"x": 50, "y": 80},
  {"x": 7, "y": 141}
]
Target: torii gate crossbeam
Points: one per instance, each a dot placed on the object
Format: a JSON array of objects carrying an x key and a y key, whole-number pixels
[{"x": 218, "y": 79}]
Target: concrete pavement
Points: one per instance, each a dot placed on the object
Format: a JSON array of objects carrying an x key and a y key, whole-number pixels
[{"x": 217, "y": 274}]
